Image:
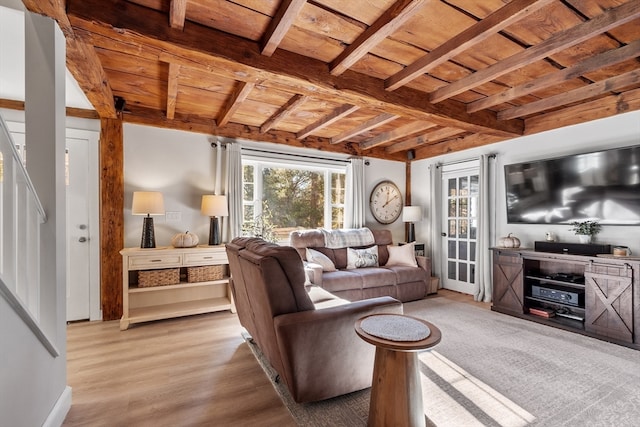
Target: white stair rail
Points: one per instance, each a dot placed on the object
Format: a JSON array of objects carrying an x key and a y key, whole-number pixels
[{"x": 21, "y": 215}]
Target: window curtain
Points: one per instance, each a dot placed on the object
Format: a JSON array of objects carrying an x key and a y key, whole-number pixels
[
  {"x": 435, "y": 224},
  {"x": 354, "y": 210},
  {"x": 486, "y": 227},
  {"x": 232, "y": 225}
]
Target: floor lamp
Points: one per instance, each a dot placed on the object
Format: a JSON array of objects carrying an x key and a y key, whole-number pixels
[
  {"x": 214, "y": 206},
  {"x": 147, "y": 203},
  {"x": 411, "y": 214}
]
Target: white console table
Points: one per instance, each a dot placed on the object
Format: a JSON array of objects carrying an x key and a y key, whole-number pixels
[{"x": 143, "y": 304}]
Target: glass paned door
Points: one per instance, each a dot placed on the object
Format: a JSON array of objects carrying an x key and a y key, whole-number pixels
[{"x": 460, "y": 228}]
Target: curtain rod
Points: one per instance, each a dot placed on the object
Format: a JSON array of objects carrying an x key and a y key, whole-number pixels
[
  {"x": 304, "y": 156},
  {"x": 491, "y": 156}
]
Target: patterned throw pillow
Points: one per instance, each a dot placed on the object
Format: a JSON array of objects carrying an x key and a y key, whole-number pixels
[
  {"x": 358, "y": 258},
  {"x": 319, "y": 258},
  {"x": 402, "y": 255}
]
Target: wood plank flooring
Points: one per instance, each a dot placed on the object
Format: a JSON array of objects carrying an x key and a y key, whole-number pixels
[{"x": 189, "y": 371}]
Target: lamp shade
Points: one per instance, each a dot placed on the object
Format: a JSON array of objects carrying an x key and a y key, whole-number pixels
[
  {"x": 214, "y": 205},
  {"x": 411, "y": 214},
  {"x": 147, "y": 203}
]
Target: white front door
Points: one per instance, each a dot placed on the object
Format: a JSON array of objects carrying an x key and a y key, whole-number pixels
[
  {"x": 82, "y": 226},
  {"x": 460, "y": 191}
]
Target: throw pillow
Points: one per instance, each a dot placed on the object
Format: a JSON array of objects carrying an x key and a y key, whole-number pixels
[
  {"x": 318, "y": 257},
  {"x": 358, "y": 258},
  {"x": 402, "y": 255}
]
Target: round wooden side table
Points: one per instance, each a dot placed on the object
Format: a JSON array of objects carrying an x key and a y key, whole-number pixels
[{"x": 396, "y": 391}]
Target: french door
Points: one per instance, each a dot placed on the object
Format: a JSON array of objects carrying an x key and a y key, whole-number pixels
[{"x": 460, "y": 194}]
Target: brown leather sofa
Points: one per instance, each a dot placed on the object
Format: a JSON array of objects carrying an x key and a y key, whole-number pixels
[
  {"x": 401, "y": 282},
  {"x": 305, "y": 333}
]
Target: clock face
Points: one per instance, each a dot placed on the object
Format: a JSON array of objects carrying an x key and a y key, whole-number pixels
[{"x": 386, "y": 202}]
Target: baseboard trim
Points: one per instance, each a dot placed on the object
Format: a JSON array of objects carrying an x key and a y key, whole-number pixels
[{"x": 60, "y": 409}]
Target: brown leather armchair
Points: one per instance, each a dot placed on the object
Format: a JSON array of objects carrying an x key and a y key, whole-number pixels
[{"x": 306, "y": 333}]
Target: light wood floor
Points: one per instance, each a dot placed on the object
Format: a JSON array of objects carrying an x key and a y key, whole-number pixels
[{"x": 190, "y": 371}]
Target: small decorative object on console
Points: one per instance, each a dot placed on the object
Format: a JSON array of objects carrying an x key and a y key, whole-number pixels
[
  {"x": 509, "y": 242},
  {"x": 184, "y": 240},
  {"x": 585, "y": 230}
]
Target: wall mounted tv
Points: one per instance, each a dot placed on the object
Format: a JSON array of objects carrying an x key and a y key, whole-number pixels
[{"x": 603, "y": 185}]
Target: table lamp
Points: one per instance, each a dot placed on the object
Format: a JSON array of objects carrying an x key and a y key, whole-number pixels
[
  {"x": 411, "y": 214},
  {"x": 214, "y": 206},
  {"x": 147, "y": 203}
]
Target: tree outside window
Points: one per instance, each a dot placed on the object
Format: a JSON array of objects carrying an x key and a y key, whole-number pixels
[{"x": 291, "y": 198}]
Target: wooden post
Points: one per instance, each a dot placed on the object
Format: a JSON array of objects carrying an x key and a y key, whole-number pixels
[{"x": 111, "y": 216}]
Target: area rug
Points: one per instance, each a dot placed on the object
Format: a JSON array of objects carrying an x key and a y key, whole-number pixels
[{"x": 492, "y": 369}]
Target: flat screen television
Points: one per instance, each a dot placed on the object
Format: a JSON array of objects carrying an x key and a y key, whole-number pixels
[{"x": 602, "y": 185}]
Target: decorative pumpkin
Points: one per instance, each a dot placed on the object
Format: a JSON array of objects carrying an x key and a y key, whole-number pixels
[
  {"x": 509, "y": 242},
  {"x": 184, "y": 240}
]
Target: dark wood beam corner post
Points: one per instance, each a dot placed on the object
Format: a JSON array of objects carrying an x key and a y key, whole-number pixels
[{"x": 111, "y": 216}]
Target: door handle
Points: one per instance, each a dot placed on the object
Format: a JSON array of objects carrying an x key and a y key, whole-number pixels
[
  {"x": 443, "y": 234},
  {"x": 82, "y": 239}
]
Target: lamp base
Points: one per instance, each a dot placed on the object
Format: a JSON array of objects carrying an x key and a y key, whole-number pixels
[
  {"x": 148, "y": 237},
  {"x": 412, "y": 233},
  {"x": 214, "y": 232}
]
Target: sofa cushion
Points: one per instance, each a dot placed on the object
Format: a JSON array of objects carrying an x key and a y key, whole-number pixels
[
  {"x": 406, "y": 274},
  {"x": 402, "y": 255},
  {"x": 373, "y": 277},
  {"x": 321, "y": 259},
  {"x": 340, "y": 280},
  {"x": 359, "y": 258}
]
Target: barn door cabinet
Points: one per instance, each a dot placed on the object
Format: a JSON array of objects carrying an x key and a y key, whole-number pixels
[{"x": 597, "y": 296}]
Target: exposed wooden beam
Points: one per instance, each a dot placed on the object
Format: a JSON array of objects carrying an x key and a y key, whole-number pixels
[
  {"x": 334, "y": 116},
  {"x": 283, "y": 112},
  {"x": 457, "y": 144},
  {"x": 397, "y": 133},
  {"x": 280, "y": 24},
  {"x": 591, "y": 91},
  {"x": 151, "y": 117},
  {"x": 172, "y": 89},
  {"x": 606, "y": 59},
  {"x": 368, "y": 125},
  {"x": 82, "y": 60},
  {"x": 581, "y": 32},
  {"x": 111, "y": 160},
  {"x": 82, "y": 113},
  {"x": 177, "y": 13},
  {"x": 385, "y": 25},
  {"x": 428, "y": 138},
  {"x": 224, "y": 54},
  {"x": 585, "y": 111},
  {"x": 498, "y": 20},
  {"x": 236, "y": 99}
]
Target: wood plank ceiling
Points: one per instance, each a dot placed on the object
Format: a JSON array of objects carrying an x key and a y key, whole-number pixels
[{"x": 393, "y": 79}]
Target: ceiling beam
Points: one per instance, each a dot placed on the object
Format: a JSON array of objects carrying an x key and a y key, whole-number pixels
[
  {"x": 240, "y": 93},
  {"x": 482, "y": 30},
  {"x": 177, "y": 13},
  {"x": 428, "y": 138},
  {"x": 593, "y": 63},
  {"x": 593, "y": 90},
  {"x": 82, "y": 59},
  {"x": 384, "y": 26},
  {"x": 368, "y": 125},
  {"x": 457, "y": 144},
  {"x": 334, "y": 116},
  {"x": 280, "y": 24},
  {"x": 172, "y": 89},
  {"x": 283, "y": 112},
  {"x": 397, "y": 133},
  {"x": 219, "y": 52},
  {"x": 82, "y": 113},
  {"x": 612, "y": 18}
]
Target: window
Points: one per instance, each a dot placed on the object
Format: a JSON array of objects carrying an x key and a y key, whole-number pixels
[{"x": 280, "y": 197}]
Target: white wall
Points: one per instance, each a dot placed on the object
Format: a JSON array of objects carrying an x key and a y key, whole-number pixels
[{"x": 618, "y": 131}]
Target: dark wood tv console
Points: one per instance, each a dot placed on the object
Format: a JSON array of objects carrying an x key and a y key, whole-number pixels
[{"x": 597, "y": 296}]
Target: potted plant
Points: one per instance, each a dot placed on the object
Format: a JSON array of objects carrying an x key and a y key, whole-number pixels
[{"x": 585, "y": 230}]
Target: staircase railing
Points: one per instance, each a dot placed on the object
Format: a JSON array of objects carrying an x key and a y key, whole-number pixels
[{"x": 21, "y": 217}]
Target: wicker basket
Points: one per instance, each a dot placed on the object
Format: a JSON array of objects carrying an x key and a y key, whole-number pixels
[
  {"x": 205, "y": 273},
  {"x": 167, "y": 276}
]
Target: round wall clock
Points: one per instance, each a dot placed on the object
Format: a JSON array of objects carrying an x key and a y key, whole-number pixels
[{"x": 386, "y": 202}]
